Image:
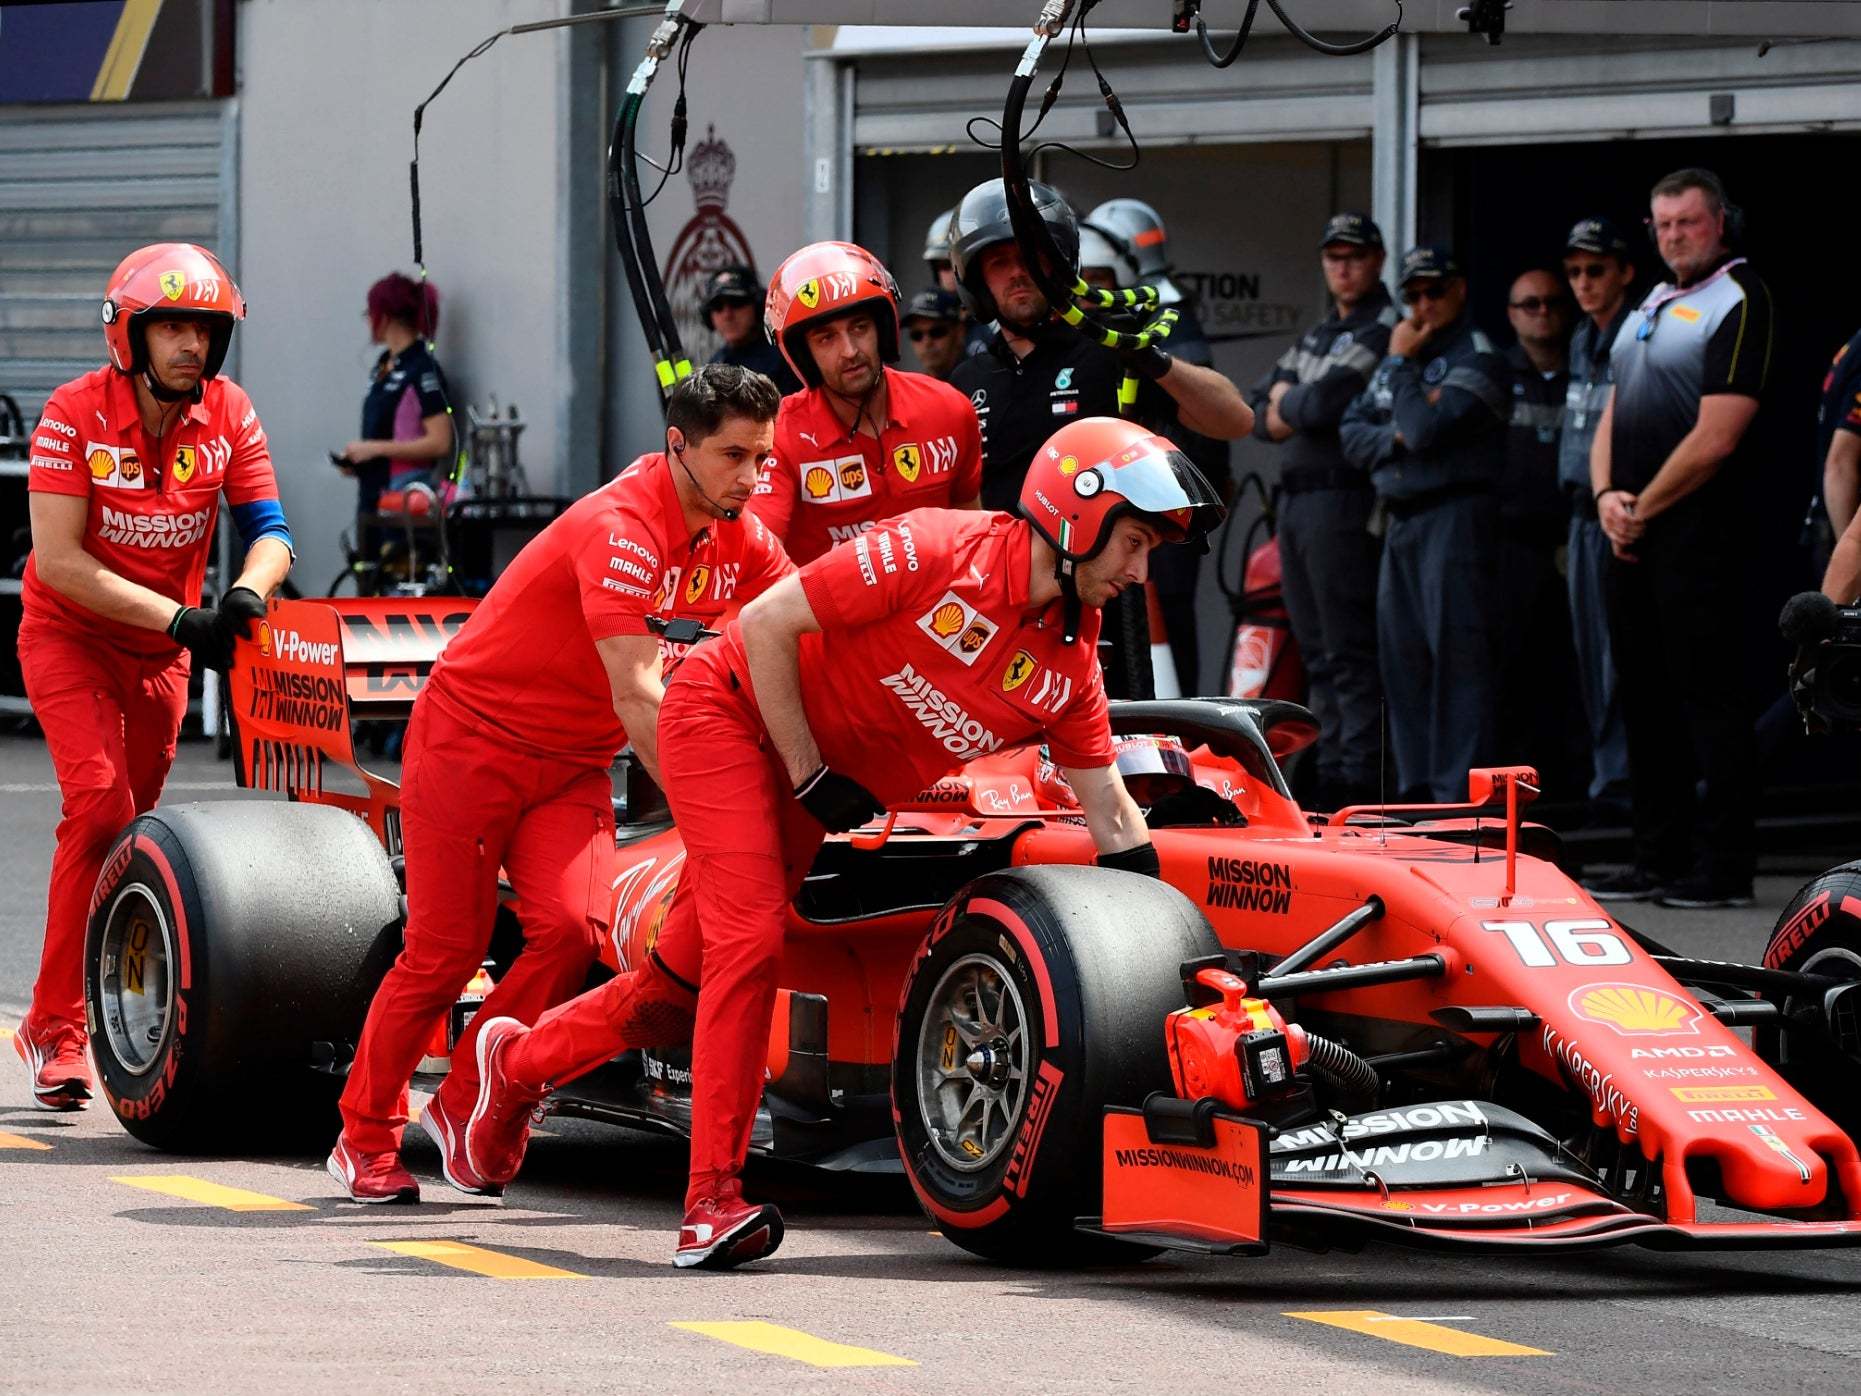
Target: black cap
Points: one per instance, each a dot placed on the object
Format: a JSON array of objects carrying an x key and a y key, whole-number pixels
[
  {"x": 730, "y": 284},
  {"x": 934, "y": 304},
  {"x": 1429, "y": 262},
  {"x": 1357, "y": 228},
  {"x": 1597, "y": 235}
]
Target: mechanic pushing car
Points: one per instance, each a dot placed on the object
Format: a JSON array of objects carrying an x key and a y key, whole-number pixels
[
  {"x": 127, "y": 468},
  {"x": 862, "y": 441},
  {"x": 510, "y": 743},
  {"x": 933, "y": 638}
]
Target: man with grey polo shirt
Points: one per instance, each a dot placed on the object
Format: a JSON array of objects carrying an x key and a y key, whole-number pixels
[
  {"x": 1328, "y": 557},
  {"x": 1673, "y": 457},
  {"x": 1431, "y": 429},
  {"x": 1600, "y": 272}
]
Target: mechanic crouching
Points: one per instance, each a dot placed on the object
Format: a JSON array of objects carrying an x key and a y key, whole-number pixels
[
  {"x": 1430, "y": 428},
  {"x": 878, "y": 668},
  {"x": 509, "y": 749}
]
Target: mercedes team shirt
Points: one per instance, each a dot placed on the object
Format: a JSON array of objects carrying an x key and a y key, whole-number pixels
[
  {"x": 824, "y": 485},
  {"x": 525, "y": 665},
  {"x": 152, "y": 503},
  {"x": 929, "y": 654}
]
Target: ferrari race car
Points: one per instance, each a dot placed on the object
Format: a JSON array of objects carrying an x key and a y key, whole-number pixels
[{"x": 1398, "y": 1023}]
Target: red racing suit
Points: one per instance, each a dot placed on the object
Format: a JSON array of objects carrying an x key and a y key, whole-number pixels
[
  {"x": 928, "y": 656},
  {"x": 110, "y": 696},
  {"x": 507, "y": 769},
  {"x": 823, "y": 485}
]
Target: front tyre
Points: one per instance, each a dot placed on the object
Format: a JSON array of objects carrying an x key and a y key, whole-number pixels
[
  {"x": 1037, "y": 1000},
  {"x": 225, "y": 939},
  {"x": 1819, "y": 932}
]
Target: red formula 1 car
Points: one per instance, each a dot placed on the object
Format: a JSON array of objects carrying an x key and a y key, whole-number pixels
[{"x": 1386, "y": 1023}]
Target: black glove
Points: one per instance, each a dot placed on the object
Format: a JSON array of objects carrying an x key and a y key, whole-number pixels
[
  {"x": 1141, "y": 859},
  {"x": 1152, "y": 361},
  {"x": 197, "y": 630},
  {"x": 237, "y": 610},
  {"x": 838, "y": 802}
]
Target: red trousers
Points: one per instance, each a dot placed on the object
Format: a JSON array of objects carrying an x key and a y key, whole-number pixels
[
  {"x": 471, "y": 805},
  {"x": 110, "y": 720},
  {"x": 748, "y": 845}
]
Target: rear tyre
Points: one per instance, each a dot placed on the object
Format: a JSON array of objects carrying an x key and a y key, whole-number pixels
[
  {"x": 1037, "y": 1000},
  {"x": 225, "y": 939},
  {"x": 1819, "y": 932}
]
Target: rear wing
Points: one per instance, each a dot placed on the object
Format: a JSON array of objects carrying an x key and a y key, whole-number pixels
[{"x": 314, "y": 666}]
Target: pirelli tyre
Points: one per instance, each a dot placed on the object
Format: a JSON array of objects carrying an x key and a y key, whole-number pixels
[
  {"x": 1037, "y": 999},
  {"x": 1819, "y": 932},
  {"x": 225, "y": 940}
]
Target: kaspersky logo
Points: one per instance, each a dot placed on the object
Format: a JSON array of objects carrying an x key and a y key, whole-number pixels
[{"x": 1634, "y": 1010}]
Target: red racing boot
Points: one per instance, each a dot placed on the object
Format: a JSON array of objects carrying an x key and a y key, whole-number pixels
[
  {"x": 371, "y": 1177},
  {"x": 60, "y": 1070},
  {"x": 446, "y": 1130},
  {"x": 722, "y": 1231},
  {"x": 498, "y": 1130}
]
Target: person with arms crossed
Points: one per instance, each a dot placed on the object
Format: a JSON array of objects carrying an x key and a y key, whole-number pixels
[
  {"x": 880, "y": 667},
  {"x": 862, "y": 441},
  {"x": 509, "y": 747},
  {"x": 126, "y": 471}
]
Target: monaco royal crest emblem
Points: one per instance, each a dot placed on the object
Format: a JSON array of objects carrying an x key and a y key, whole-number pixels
[{"x": 709, "y": 241}]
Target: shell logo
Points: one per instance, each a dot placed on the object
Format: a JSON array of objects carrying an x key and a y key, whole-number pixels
[
  {"x": 818, "y": 482},
  {"x": 1634, "y": 1010},
  {"x": 694, "y": 588},
  {"x": 1068, "y": 464},
  {"x": 852, "y": 475},
  {"x": 264, "y": 638},
  {"x": 102, "y": 464},
  {"x": 946, "y": 620}
]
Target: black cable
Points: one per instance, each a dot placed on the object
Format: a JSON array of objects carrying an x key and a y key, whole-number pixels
[
  {"x": 1226, "y": 60},
  {"x": 1356, "y": 46}
]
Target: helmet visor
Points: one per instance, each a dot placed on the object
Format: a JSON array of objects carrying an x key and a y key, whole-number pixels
[{"x": 1156, "y": 478}]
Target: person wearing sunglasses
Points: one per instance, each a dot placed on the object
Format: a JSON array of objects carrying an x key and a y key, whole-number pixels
[
  {"x": 1328, "y": 557},
  {"x": 1679, "y": 447},
  {"x": 1430, "y": 428},
  {"x": 934, "y": 325},
  {"x": 1539, "y": 709},
  {"x": 1600, "y": 273}
]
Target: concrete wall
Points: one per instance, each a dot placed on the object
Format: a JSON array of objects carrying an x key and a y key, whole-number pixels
[{"x": 328, "y": 91}]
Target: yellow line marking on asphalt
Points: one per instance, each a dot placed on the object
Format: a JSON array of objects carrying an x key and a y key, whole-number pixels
[
  {"x": 20, "y": 1141},
  {"x": 211, "y": 1194},
  {"x": 1418, "y": 1333},
  {"x": 476, "y": 1259},
  {"x": 778, "y": 1341}
]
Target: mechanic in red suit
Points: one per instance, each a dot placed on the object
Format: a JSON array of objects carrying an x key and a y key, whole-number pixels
[
  {"x": 127, "y": 468},
  {"x": 862, "y": 442},
  {"x": 933, "y": 638},
  {"x": 509, "y": 749}
]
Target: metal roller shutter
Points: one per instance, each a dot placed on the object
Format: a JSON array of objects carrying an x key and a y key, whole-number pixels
[{"x": 80, "y": 186}]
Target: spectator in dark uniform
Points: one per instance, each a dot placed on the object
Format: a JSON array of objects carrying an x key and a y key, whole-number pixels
[
  {"x": 1673, "y": 459},
  {"x": 732, "y": 309},
  {"x": 1538, "y": 703},
  {"x": 934, "y": 324},
  {"x": 1430, "y": 428},
  {"x": 1327, "y": 555},
  {"x": 1600, "y": 272}
]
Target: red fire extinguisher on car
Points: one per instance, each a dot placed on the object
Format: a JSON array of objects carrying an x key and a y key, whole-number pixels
[{"x": 1263, "y": 659}]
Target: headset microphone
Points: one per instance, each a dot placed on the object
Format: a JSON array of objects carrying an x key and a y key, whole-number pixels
[{"x": 730, "y": 515}]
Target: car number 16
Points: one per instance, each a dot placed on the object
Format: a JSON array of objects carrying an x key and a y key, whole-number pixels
[{"x": 1572, "y": 942}]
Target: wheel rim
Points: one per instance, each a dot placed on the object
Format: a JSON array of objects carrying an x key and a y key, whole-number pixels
[
  {"x": 973, "y": 1062},
  {"x": 136, "y": 985}
]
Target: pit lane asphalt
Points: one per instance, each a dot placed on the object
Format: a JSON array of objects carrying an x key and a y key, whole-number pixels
[{"x": 109, "y": 1285}]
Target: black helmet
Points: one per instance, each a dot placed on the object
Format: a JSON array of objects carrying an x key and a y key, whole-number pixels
[{"x": 982, "y": 222}]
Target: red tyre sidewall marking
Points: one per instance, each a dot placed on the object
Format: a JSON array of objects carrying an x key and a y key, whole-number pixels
[
  {"x": 1036, "y": 962},
  {"x": 146, "y": 1104}
]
